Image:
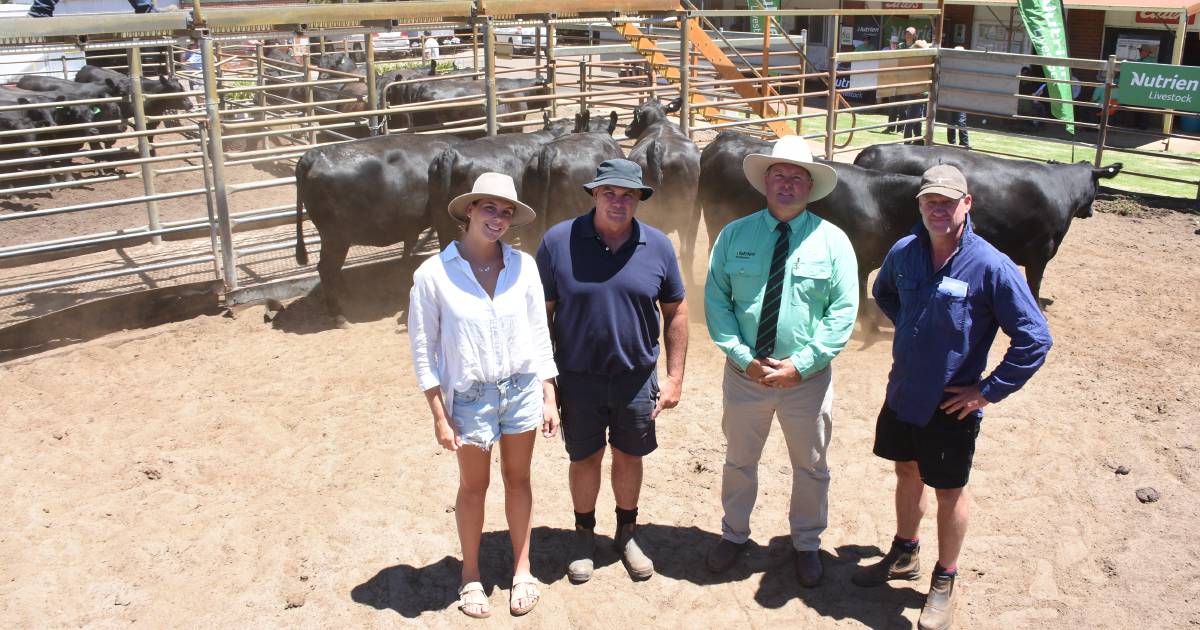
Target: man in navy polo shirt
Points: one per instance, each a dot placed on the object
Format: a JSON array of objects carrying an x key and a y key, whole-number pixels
[
  {"x": 948, "y": 291},
  {"x": 606, "y": 277}
]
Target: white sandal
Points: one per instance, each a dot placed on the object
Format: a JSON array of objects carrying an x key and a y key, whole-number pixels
[
  {"x": 472, "y": 594},
  {"x": 530, "y": 590}
]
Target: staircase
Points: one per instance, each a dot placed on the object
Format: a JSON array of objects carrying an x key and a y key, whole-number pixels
[{"x": 708, "y": 49}]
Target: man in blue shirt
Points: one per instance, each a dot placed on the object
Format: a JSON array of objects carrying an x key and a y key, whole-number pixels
[
  {"x": 947, "y": 291},
  {"x": 607, "y": 276}
]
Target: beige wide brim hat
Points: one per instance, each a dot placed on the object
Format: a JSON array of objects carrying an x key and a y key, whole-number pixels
[
  {"x": 496, "y": 185},
  {"x": 790, "y": 150}
]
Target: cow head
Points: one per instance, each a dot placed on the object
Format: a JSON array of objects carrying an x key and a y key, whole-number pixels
[
  {"x": 167, "y": 85},
  {"x": 585, "y": 124},
  {"x": 16, "y": 121},
  {"x": 557, "y": 127},
  {"x": 38, "y": 116},
  {"x": 644, "y": 116}
]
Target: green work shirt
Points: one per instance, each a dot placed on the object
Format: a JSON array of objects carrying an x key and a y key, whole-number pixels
[{"x": 820, "y": 290}]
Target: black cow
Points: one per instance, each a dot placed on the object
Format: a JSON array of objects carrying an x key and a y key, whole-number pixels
[
  {"x": 74, "y": 91},
  {"x": 875, "y": 209},
  {"x": 671, "y": 165},
  {"x": 159, "y": 86},
  {"x": 16, "y": 121},
  {"x": 464, "y": 88},
  {"x": 405, "y": 89},
  {"x": 454, "y": 171},
  {"x": 59, "y": 115},
  {"x": 555, "y": 175},
  {"x": 1023, "y": 208},
  {"x": 366, "y": 192}
]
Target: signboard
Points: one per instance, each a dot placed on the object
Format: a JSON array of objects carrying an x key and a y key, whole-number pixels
[
  {"x": 1160, "y": 85},
  {"x": 1161, "y": 17},
  {"x": 758, "y": 22},
  {"x": 902, "y": 5}
]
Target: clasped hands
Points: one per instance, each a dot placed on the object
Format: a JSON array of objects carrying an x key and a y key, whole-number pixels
[{"x": 770, "y": 372}]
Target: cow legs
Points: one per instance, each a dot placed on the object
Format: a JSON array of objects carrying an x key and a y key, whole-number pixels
[
  {"x": 1033, "y": 275},
  {"x": 868, "y": 315},
  {"x": 333, "y": 256}
]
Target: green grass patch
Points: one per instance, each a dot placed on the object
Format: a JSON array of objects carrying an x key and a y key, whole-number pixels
[
  {"x": 1034, "y": 148},
  {"x": 388, "y": 66}
]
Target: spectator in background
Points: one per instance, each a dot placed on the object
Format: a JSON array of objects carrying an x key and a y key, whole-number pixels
[
  {"x": 430, "y": 50},
  {"x": 916, "y": 110},
  {"x": 45, "y": 8},
  {"x": 895, "y": 114},
  {"x": 957, "y": 125}
]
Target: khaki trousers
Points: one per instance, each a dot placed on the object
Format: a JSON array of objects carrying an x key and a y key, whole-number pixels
[{"x": 804, "y": 413}]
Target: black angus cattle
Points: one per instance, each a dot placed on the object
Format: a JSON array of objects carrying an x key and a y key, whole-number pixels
[
  {"x": 59, "y": 116},
  {"x": 671, "y": 166},
  {"x": 153, "y": 107},
  {"x": 400, "y": 87},
  {"x": 467, "y": 88},
  {"x": 875, "y": 209},
  {"x": 16, "y": 121},
  {"x": 555, "y": 175},
  {"x": 366, "y": 192},
  {"x": 1023, "y": 208},
  {"x": 454, "y": 171},
  {"x": 75, "y": 91}
]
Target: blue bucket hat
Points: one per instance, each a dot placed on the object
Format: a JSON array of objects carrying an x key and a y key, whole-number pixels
[{"x": 621, "y": 173}]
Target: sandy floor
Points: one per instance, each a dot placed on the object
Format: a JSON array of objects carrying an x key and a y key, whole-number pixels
[{"x": 227, "y": 472}]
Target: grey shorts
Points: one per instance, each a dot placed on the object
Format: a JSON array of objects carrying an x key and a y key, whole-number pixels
[
  {"x": 619, "y": 405},
  {"x": 485, "y": 411}
]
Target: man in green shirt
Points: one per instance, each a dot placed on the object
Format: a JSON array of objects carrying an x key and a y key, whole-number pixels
[{"x": 781, "y": 298}]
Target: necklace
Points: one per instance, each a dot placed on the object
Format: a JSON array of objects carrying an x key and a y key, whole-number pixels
[{"x": 484, "y": 269}]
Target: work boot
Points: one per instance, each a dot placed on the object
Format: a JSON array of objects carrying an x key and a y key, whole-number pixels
[
  {"x": 938, "y": 612},
  {"x": 724, "y": 555},
  {"x": 582, "y": 549},
  {"x": 640, "y": 567},
  {"x": 898, "y": 564},
  {"x": 808, "y": 568}
]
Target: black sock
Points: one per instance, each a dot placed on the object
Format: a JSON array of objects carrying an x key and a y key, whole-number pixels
[
  {"x": 907, "y": 544},
  {"x": 585, "y": 520},
  {"x": 626, "y": 517}
]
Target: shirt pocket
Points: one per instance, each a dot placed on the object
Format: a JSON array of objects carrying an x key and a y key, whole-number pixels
[
  {"x": 948, "y": 312},
  {"x": 746, "y": 280},
  {"x": 810, "y": 282}
]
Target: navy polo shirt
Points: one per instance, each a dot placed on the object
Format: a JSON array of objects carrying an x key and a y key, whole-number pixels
[{"x": 606, "y": 313}]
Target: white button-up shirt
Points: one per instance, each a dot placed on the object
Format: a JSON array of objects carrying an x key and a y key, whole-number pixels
[{"x": 460, "y": 335}]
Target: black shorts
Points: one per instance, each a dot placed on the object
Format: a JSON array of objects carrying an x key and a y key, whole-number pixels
[
  {"x": 943, "y": 449},
  {"x": 620, "y": 404}
]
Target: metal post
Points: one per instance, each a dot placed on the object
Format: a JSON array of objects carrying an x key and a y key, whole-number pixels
[
  {"x": 1102, "y": 139},
  {"x": 170, "y": 55},
  {"x": 475, "y": 47},
  {"x": 372, "y": 94},
  {"x": 803, "y": 71},
  {"x": 766, "y": 63},
  {"x": 139, "y": 121},
  {"x": 209, "y": 202},
  {"x": 260, "y": 96},
  {"x": 308, "y": 91},
  {"x": 551, "y": 65},
  {"x": 685, "y": 69},
  {"x": 537, "y": 51},
  {"x": 66, "y": 73},
  {"x": 931, "y": 105},
  {"x": 651, "y": 79},
  {"x": 213, "y": 113},
  {"x": 583, "y": 85},
  {"x": 831, "y": 97},
  {"x": 1176, "y": 59},
  {"x": 489, "y": 68},
  {"x": 220, "y": 76}
]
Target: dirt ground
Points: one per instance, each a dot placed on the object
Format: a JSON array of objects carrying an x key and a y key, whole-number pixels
[{"x": 228, "y": 472}]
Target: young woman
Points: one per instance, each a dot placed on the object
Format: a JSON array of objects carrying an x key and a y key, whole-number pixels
[{"x": 481, "y": 351}]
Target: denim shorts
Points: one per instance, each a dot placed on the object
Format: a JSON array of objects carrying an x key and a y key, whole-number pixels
[{"x": 485, "y": 411}]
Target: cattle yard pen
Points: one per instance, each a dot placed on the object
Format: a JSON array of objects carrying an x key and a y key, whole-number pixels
[{"x": 200, "y": 191}]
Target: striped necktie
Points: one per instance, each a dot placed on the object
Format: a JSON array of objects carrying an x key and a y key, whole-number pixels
[{"x": 769, "y": 317}]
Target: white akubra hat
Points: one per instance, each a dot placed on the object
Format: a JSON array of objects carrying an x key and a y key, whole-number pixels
[
  {"x": 790, "y": 150},
  {"x": 496, "y": 185}
]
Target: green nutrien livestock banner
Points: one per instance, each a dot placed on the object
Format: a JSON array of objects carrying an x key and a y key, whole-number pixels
[
  {"x": 1160, "y": 85},
  {"x": 1044, "y": 22}
]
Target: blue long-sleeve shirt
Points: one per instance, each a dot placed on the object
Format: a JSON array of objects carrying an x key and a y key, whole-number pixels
[{"x": 946, "y": 320}]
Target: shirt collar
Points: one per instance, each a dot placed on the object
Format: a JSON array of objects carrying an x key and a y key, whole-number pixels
[
  {"x": 795, "y": 224},
  {"x": 451, "y": 252},
  {"x": 587, "y": 229}
]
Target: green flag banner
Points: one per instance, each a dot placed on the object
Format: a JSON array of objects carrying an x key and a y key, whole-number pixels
[
  {"x": 758, "y": 23},
  {"x": 1044, "y": 22},
  {"x": 1160, "y": 85}
]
